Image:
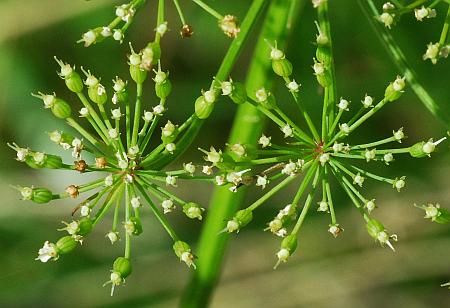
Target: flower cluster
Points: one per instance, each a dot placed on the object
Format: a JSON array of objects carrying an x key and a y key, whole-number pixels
[
  {"x": 125, "y": 14},
  {"x": 319, "y": 155},
  {"x": 422, "y": 10},
  {"x": 116, "y": 146}
]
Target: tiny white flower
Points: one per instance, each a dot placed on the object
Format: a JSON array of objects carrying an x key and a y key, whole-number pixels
[
  {"x": 116, "y": 114},
  {"x": 344, "y": 128},
  {"x": 47, "y": 252},
  {"x": 158, "y": 109},
  {"x": 128, "y": 178},
  {"x": 71, "y": 228},
  {"x": 207, "y": 170},
  {"x": 399, "y": 183},
  {"x": 226, "y": 87},
  {"x": 343, "y": 104},
  {"x": 388, "y": 6},
  {"x": 189, "y": 168},
  {"x": 432, "y": 52},
  {"x": 432, "y": 211},
  {"x": 289, "y": 169},
  {"x": 85, "y": 210},
  {"x": 430, "y": 146},
  {"x": 370, "y": 205},
  {"x": 84, "y": 112},
  {"x": 261, "y": 181},
  {"x": 49, "y": 100},
  {"x": 368, "y": 101},
  {"x": 121, "y": 11},
  {"x": 118, "y": 35},
  {"x": 188, "y": 258},
  {"x": 399, "y": 135},
  {"x": 358, "y": 179},
  {"x": 170, "y": 147},
  {"x": 387, "y": 19},
  {"x": 65, "y": 145},
  {"x": 109, "y": 180},
  {"x": 232, "y": 225},
  {"x": 276, "y": 54},
  {"x": 323, "y": 206},
  {"x": 168, "y": 129},
  {"x": 319, "y": 68},
  {"x": 210, "y": 96},
  {"x": 55, "y": 136},
  {"x": 106, "y": 32},
  {"x": 399, "y": 84},
  {"x": 113, "y": 133},
  {"x": 133, "y": 151},
  {"x": 129, "y": 227},
  {"x": 338, "y": 147},
  {"x": 123, "y": 164},
  {"x": 213, "y": 155},
  {"x": 388, "y": 157},
  {"x": 135, "y": 202},
  {"x": 264, "y": 141},
  {"x": 421, "y": 13},
  {"x": 171, "y": 180},
  {"x": 39, "y": 158},
  {"x": 283, "y": 255},
  {"x": 220, "y": 180},
  {"x": 160, "y": 77},
  {"x": 370, "y": 155},
  {"x": 261, "y": 95},
  {"x": 89, "y": 38},
  {"x": 287, "y": 131},
  {"x": 293, "y": 86},
  {"x": 238, "y": 149},
  {"x": 22, "y": 154},
  {"x": 148, "y": 116},
  {"x": 113, "y": 236},
  {"x": 324, "y": 158},
  {"x": 335, "y": 230},
  {"x": 168, "y": 206},
  {"x": 26, "y": 192},
  {"x": 162, "y": 28}
]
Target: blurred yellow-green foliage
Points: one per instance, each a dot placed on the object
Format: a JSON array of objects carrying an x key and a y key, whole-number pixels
[{"x": 350, "y": 271}]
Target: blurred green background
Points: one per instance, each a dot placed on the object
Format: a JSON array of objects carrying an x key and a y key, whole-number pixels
[{"x": 350, "y": 271}]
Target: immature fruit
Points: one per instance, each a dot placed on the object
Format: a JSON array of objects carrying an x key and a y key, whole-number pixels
[
  {"x": 163, "y": 89},
  {"x": 41, "y": 195},
  {"x": 61, "y": 109},
  {"x": 202, "y": 108},
  {"x": 122, "y": 266},
  {"x": 74, "y": 82},
  {"x": 66, "y": 244},
  {"x": 239, "y": 93},
  {"x": 137, "y": 74},
  {"x": 84, "y": 226},
  {"x": 282, "y": 67}
]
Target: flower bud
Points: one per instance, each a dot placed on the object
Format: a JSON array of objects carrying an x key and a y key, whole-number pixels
[
  {"x": 61, "y": 109},
  {"x": 229, "y": 26},
  {"x": 282, "y": 67},
  {"x": 66, "y": 244},
  {"x": 399, "y": 183},
  {"x": 122, "y": 266},
  {"x": 193, "y": 210},
  {"x": 202, "y": 108},
  {"x": 422, "y": 149},
  {"x": 137, "y": 226},
  {"x": 169, "y": 133},
  {"x": 150, "y": 55}
]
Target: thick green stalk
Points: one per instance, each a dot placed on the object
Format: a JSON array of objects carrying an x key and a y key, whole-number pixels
[
  {"x": 247, "y": 127},
  {"x": 400, "y": 61}
]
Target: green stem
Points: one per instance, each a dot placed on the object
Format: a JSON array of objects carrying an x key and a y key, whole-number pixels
[
  {"x": 308, "y": 202},
  {"x": 247, "y": 128},
  {"x": 179, "y": 11},
  {"x": 444, "y": 33},
  {"x": 137, "y": 114},
  {"x": 208, "y": 9}
]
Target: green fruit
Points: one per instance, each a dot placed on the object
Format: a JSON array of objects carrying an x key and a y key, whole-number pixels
[
  {"x": 66, "y": 244},
  {"x": 61, "y": 109},
  {"x": 123, "y": 266},
  {"x": 41, "y": 195}
]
